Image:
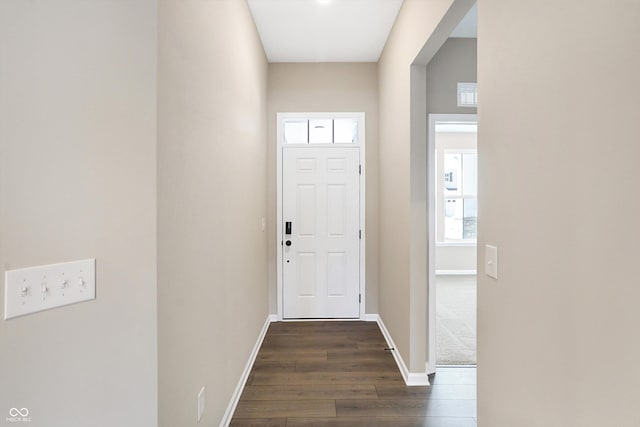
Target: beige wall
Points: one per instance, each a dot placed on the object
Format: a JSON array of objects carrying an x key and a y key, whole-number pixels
[
  {"x": 402, "y": 303},
  {"x": 327, "y": 87},
  {"x": 456, "y": 61},
  {"x": 212, "y": 157},
  {"x": 456, "y": 257},
  {"x": 557, "y": 333},
  {"x": 77, "y": 180}
]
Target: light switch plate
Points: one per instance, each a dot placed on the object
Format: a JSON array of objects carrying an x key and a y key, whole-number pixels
[
  {"x": 33, "y": 289},
  {"x": 491, "y": 261}
]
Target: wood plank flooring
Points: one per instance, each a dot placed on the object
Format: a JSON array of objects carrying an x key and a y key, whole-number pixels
[{"x": 340, "y": 374}]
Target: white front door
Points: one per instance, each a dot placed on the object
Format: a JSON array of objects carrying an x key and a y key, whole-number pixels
[{"x": 320, "y": 232}]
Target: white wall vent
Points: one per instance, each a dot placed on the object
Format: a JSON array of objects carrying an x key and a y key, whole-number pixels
[{"x": 467, "y": 94}]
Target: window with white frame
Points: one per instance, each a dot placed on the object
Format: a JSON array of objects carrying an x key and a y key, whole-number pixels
[
  {"x": 460, "y": 195},
  {"x": 467, "y": 94},
  {"x": 321, "y": 131}
]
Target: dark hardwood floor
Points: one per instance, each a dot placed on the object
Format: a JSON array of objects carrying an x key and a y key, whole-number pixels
[{"x": 340, "y": 374}]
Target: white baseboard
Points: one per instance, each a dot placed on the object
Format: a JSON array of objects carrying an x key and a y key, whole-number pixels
[
  {"x": 226, "y": 419},
  {"x": 456, "y": 272},
  {"x": 410, "y": 378},
  {"x": 371, "y": 317},
  {"x": 337, "y": 319}
]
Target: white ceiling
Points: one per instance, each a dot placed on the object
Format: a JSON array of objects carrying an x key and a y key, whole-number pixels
[{"x": 324, "y": 30}]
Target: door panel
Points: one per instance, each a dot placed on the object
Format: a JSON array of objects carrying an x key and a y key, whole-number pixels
[
  {"x": 321, "y": 267},
  {"x": 306, "y": 274},
  {"x": 337, "y": 274},
  {"x": 336, "y": 210},
  {"x": 306, "y": 210}
]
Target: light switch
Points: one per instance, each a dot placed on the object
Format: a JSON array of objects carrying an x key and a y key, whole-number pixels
[
  {"x": 33, "y": 289},
  {"x": 491, "y": 261}
]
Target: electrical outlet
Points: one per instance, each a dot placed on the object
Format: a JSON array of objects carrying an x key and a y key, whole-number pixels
[{"x": 201, "y": 403}]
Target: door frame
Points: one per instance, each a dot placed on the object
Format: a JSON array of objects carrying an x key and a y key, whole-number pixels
[
  {"x": 431, "y": 203},
  {"x": 281, "y": 117}
]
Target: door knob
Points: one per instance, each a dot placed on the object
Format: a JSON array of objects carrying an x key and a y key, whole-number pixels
[{"x": 288, "y": 243}]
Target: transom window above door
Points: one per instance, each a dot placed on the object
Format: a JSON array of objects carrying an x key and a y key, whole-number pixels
[{"x": 321, "y": 131}]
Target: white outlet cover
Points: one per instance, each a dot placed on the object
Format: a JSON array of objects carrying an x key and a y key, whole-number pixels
[
  {"x": 33, "y": 289},
  {"x": 201, "y": 403}
]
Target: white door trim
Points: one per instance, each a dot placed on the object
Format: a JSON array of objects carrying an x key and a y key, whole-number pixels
[
  {"x": 431, "y": 203},
  {"x": 281, "y": 117}
]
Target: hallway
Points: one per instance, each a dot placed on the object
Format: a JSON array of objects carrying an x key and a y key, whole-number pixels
[{"x": 339, "y": 374}]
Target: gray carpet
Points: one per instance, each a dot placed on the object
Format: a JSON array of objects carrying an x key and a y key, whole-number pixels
[{"x": 456, "y": 320}]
